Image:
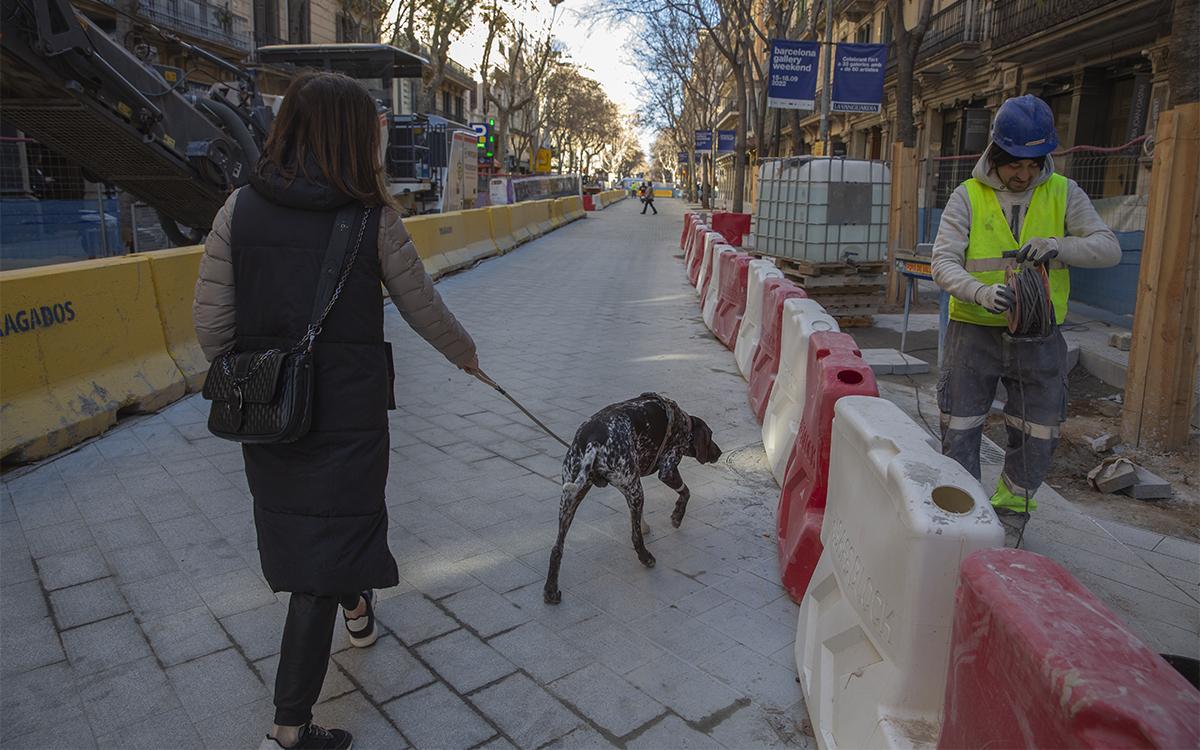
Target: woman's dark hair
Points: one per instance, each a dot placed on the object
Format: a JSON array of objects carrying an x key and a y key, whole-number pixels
[
  {"x": 329, "y": 120},
  {"x": 999, "y": 158}
]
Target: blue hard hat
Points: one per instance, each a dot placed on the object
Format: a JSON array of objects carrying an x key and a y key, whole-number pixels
[{"x": 1024, "y": 127}]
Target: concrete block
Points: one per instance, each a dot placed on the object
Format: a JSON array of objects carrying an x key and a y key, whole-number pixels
[
  {"x": 526, "y": 712},
  {"x": 609, "y": 701},
  {"x": 215, "y": 684},
  {"x": 71, "y": 568},
  {"x": 1102, "y": 443},
  {"x": 1149, "y": 486},
  {"x": 689, "y": 692},
  {"x": 87, "y": 602},
  {"x": 434, "y": 717},
  {"x": 1113, "y": 476},
  {"x": 673, "y": 732},
  {"x": 464, "y": 661},
  {"x": 127, "y": 694},
  {"x": 105, "y": 644},
  {"x": 485, "y": 611},
  {"x": 1120, "y": 341},
  {"x": 186, "y": 635},
  {"x": 384, "y": 671},
  {"x": 540, "y": 652},
  {"x": 892, "y": 362}
]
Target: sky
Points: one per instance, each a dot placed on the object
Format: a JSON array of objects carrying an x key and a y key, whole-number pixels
[{"x": 603, "y": 50}]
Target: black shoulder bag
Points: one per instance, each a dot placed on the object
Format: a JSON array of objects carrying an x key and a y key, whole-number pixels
[{"x": 265, "y": 396}]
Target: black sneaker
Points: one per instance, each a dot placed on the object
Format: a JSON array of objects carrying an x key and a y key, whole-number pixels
[
  {"x": 362, "y": 629},
  {"x": 1014, "y": 525},
  {"x": 313, "y": 737}
]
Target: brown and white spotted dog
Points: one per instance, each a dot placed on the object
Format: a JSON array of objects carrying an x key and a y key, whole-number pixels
[{"x": 619, "y": 445}]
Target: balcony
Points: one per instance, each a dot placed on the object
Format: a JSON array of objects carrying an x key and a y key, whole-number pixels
[
  {"x": 956, "y": 24},
  {"x": 854, "y": 10},
  {"x": 1017, "y": 20},
  {"x": 200, "y": 21},
  {"x": 454, "y": 71}
]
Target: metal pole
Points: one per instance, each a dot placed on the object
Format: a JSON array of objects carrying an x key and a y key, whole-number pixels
[
  {"x": 826, "y": 93},
  {"x": 103, "y": 220}
]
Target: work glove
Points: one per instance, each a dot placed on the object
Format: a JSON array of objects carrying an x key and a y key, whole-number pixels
[
  {"x": 1038, "y": 250},
  {"x": 996, "y": 298}
]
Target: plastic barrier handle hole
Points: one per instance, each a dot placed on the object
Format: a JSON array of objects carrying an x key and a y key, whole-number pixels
[
  {"x": 823, "y": 353},
  {"x": 853, "y": 377},
  {"x": 953, "y": 500}
]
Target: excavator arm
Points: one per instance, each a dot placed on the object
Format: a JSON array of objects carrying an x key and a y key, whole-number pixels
[{"x": 67, "y": 84}]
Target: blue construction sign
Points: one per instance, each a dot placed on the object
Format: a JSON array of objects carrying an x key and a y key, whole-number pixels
[
  {"x": 725, "y": 141},
  {"x": 858, "y": 72},
  {"x": 683, "y": 157},
  {"x": 704, "y": 140},
  {"x": 792, "y": 74}
]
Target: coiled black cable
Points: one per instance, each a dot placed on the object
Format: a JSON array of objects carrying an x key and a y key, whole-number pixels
[{"x": 1032, "y": 314}]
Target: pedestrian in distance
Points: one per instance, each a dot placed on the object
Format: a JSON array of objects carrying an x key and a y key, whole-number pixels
[
  {"x": 648, "y": 197},
  {"x": 1013, "y": 201},
  {"x": 319, "y": 509}
]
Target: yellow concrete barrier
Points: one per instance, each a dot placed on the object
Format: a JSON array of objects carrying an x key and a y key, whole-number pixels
[
  {"x": 452, "y": 240},
  {"x": 81, "y": 342},
  {"x": 501, "y": 222},
  {"x": 526, "y": 220},
  {"x": 558, "y": 215},
  {"x": 572, "y": 208},
  {"x": 174, "y": 273},
  {"x": 544, "y": 212},
  {"x": 476, "y": 242}
]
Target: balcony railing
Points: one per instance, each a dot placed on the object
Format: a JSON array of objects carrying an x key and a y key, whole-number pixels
[
  {"x": 956, "y": 24},
  {"x": 1014, "y": 20},
  {"x": 198, "y": 20},
  {"x": 453, "y": 69}
]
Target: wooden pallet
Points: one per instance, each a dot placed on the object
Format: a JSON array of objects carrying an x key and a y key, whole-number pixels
[
  {"x": 793, "y": 267},
  {"x": 854, "y": 321}
]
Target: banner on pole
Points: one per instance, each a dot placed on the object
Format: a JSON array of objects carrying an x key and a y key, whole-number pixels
[
  {"x": 683, "y": 157},
  {"x": 858, "y": 72},
  {"x": 704, "y": 140},
  {"x": 725, "y": 141},
  {"x": 792, "y": 74}
]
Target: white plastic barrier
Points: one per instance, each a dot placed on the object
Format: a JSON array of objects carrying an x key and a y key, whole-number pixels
[
  {"x": 873, "y": 638},
  {"x": 781, "y": 422},
  {"x": 709, "y": 311},
  {"x": 699, "y": 229},
  {"x": 710, "y": 239},
  {"x": 751, "y": 330}
]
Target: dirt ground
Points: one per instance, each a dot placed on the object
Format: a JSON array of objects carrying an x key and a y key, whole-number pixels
[{"x": 1094, "y": 409}]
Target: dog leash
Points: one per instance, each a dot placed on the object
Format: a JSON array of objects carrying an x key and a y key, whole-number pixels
[{"x": 483, "y": 378}]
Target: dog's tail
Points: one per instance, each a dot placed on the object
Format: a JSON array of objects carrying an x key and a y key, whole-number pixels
[{"x": 586, "y": 463}]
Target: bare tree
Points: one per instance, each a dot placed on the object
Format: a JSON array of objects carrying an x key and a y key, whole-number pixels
[
  {"x": 515, "y": 87},
  {"x": 907, "y": 42}
]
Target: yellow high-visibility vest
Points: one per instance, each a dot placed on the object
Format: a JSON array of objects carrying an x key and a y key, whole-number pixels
[{"x": 991, "y": 237}]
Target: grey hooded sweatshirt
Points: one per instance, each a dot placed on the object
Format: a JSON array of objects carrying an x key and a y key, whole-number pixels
[{"x": 1089, "y": 242}]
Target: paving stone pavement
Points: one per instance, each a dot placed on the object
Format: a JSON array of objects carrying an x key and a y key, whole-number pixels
[{"x": 135, "y": 614}]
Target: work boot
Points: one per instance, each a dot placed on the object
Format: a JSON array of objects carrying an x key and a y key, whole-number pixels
[{"x": 1014, "y": 525}]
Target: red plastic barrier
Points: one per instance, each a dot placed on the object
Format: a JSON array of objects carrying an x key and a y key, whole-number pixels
[
  {"x": 731, "y": 304},
  {"x": 1036, "y": 660},
  {"x": 766, "y": 358},
  {"x": 688, "y": 221},
  {"x": 696, "y": 252},
  {"x": 835, "y": 369},
  {"x": 588, "y": 203},
  {"x": 731, "y": 226}
]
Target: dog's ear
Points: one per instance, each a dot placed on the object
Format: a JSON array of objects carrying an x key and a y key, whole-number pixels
[{"x": 703, "y": 448}]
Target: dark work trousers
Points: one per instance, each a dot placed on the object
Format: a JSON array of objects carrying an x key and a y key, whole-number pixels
[
  {"x": 650, "y": 205},
  {"x": 304, "y": 654},
  {"x": 1034, "y": 373}
]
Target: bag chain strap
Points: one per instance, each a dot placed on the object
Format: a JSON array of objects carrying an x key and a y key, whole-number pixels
[{"x": 308, "y": 340}]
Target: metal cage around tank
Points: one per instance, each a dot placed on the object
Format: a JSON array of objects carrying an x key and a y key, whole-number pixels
[{"x": 823, "y": 210}]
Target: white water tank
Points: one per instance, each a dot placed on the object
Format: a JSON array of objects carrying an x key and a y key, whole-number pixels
[{"x": 823, "y": 210}]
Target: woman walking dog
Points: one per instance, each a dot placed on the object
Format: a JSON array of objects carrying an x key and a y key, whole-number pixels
[{"x": 319, "y": 505}]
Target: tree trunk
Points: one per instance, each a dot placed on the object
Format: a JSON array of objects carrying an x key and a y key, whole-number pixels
[
  {"x": 501, "y": 153},
  {"x": 907, "y": 42},
  {"x": 1184, "y": 76},
  {"x": 739, "y": 148},
  {"x": 797, "y": 133}
]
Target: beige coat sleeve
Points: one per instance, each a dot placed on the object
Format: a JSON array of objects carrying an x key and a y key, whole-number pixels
[
  {"x": 411, "y": 290},
  {"x": 213, "y": 306}
]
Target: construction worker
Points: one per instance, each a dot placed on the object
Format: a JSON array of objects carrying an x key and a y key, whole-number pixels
[{"x": 1013, "y": 201}]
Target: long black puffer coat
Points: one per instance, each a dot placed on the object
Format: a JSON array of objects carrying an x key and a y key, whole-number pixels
[{"x": 319, "y": 505}]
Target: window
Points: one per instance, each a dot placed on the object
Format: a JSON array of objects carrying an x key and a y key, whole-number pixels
[
  {"x": 446, "y": 102},
  {"x": 887, "y": 28},
  {"x": 299, "y": 22},
  {"x": 266, "y": 22},
  {"x": 458, "y": 107},
  {"x": 863, "y": 34}
]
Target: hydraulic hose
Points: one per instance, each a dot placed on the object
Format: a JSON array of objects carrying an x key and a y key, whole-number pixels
[{"x": 236, "y": 128}]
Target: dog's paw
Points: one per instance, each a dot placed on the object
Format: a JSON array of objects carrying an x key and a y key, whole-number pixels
[
  {"x": 648, "y": 560},
  {"x": 676, "y": 519},
  {"x": 552, "y": 597}
]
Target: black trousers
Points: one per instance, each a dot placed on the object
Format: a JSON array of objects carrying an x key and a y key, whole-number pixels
[
  {"x": 650, "y": 205},
  {"x": 304, "y": 654}
]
